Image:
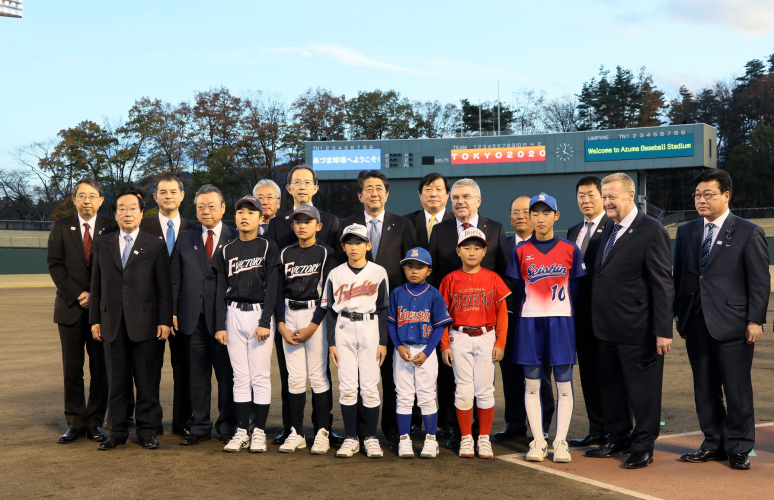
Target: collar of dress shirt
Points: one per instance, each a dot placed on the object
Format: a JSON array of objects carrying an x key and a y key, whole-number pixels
[
  {"x": 517, "y": 239},
  {"x": 596, "y": 220},
  {"x": 627, "y": 221},
  {"x": 473, "y": 222},
  {"x": 719, "y": 221},
  {"x": 438, "y": 216},
  {"x": 215, "y": 232},
  {"x": 82, "y": 221},
  {"x": 368, "y": 218},
  {"x": 133, "y": 234},
  {"x": 163, "y": 220}
]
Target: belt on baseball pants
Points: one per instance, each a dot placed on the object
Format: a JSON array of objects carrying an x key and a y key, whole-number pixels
[
  {"x": 244, "y": 306},
  {"x": 298, "y": 305},
  {"x": 357, "y": 316},
  {"x": 473, "y": 331}
]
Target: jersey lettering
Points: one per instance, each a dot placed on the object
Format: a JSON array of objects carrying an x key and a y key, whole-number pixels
[
  {"x": 406, "y": 316},
  {"x": 236, "y": 266},
  {"x": 293, "y": 271},
  {"x": 346, "y": 292},
  {"x": 471, "y": 298},
  {"x": 535, "y": 273}
]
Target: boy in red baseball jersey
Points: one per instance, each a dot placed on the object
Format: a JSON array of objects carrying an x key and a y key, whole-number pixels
[{"x": 476, "y": 339}]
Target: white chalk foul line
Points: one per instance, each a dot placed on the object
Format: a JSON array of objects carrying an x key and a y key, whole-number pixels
[{"x": 518, "y": 460}]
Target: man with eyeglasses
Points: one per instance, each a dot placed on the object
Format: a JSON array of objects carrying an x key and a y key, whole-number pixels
[
  {"x": 433, "y": 195},
  {"x": 587, "y": 236},
  {"x": 302, "y": 184},
  {"x": 167, "y": 225},
  {"x": 193, "y": 303},
  {"x": 268, "y": 193},
  {"x": 69, "y": 263},
  {"x": 465, "y": 202},
  {"x": 722, "y": 286}
]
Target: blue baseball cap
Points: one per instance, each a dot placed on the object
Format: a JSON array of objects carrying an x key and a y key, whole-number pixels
[
  {"x": 418, "y": 254},
  {"x": 543, "y": 198}
]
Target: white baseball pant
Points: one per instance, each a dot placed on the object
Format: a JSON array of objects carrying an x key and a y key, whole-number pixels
[
  {"x": 419, "y": 380},
  {"x": 357, "y": 343},
  {"x": 308, "y": 358},
  {"x": 473, "y": 369},
  {"x": 250, "y": 359}
]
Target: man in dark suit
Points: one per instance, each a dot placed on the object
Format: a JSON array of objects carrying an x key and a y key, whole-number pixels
[
  {"x": 587, "y": 236},
  {"x": 631, "y": 312},
  {"x": 513, "y": 374},
  {"x": 465, "y": 201},
  {"x": 391, "y": 238},
  {"x": 193, "y": 303},
  {"x": 69, "y": 263},
  {"x": 433, "y": 195},
  {"x": 302, "y": 185},
  {"x": 167, "y": 226},
  {"x": 130, "y": 310},
  {"x": 722, "y": 286},
  {"x": 269, "y": 194}
]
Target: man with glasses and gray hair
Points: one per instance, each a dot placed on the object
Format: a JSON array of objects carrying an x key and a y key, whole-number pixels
[{"x": 268, "y": 193}]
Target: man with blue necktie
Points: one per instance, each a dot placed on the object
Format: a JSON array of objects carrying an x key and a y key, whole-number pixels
[{"x": 167, "y": 225}]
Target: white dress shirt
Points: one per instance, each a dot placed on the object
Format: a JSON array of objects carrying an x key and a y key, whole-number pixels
[
  {"x": 473, "y": 223},
  {"x": 594, "y": 226},
  {"x": 122, "y": 239},
  {"x": 517, "y": 239},
  {"x": 625, "y": 223},
  {"x": 91, "y": 223},
  {"x": 215, "y": 234},
  {"x": 176, "y": 221},
  {"x": 716, "y": 230},
  {"x": 438, "y": 216}
]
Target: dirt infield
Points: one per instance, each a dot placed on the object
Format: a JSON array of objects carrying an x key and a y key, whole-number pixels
[{"x": 34, "y": 465}]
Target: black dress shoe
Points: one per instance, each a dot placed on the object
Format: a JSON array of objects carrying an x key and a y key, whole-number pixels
[
  {"x": 444, "y": 432},
  {"x": 110, "y": 443},
  {"x": 701, "y": 456},
  {"x": 160, "y": 430},
  {"x": 177, "y": 431},
  {"x": 453, "y": 442},
  {"x": 225, "y": 438},
  {"x": 149, "y": 442},
  {"x": 509, "y": 433},
  {"x": 191, "y": 439},
  {"x": 71, "y": 435},
  {"x": 639, "y": 459},
  {"x": 282, "y": 436},
  {"x": 394, "y": 442},
  {"x": 95, "y": 434},
  {"x": 415, "y": 429},
  {"x": 607, "y": 450},
  {"x": 588, "y": 440},
  {"x": 739, "y": 461},
  {"x": 335, "y": 439}
]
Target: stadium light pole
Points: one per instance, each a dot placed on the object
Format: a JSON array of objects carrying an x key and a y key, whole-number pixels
[
  {"x": 11, "y": 8},
  {"x": 498, "y": 107}
]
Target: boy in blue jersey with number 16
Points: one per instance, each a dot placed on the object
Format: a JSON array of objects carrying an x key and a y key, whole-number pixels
[{"x": 546, "y": 268}]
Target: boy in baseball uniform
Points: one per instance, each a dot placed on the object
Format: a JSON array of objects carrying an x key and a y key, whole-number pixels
[
  {"x": 305, "y": 266},
  {"x": 476, "y": 339},
  {"x": 416, "y": 321},
  {"x": 246, "y": 272},
  {"x": 546, "y": 269},
  {"x": 357, "y": 297}
]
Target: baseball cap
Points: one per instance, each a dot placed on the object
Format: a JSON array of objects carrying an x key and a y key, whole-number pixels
[
  {"x": 251, "y": 200},
  {"x": 544, "y": 198},
  {"x": 471, "y": 232},
  {"x": 358, "y": 230},
  {"x": 306, "y": 210},
  {"x": 418, "y": 254}
]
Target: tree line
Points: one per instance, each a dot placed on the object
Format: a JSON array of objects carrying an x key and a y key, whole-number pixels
[{"x": 233, "y": 141}]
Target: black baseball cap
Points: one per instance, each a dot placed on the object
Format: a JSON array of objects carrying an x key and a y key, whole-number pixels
[
  {"x": 251, "y": 200},
  {"x": 308, "y": 210}
]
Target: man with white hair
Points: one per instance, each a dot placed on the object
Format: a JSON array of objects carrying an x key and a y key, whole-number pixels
[
  {"x": 268, "y": 193},
  {"x": 465, "y": 200}
]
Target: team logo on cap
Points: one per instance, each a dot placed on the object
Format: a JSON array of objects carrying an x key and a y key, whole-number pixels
[
  {"x": 542, "y": 197},
  {"x": 415, "y": 253}
]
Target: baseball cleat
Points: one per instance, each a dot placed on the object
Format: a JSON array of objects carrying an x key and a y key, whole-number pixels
[
  {"x": 373, "y": 450},
  {"x": 258, "y": 441},
  {"x": 405, "y": 447},
  {"x": 349, "y": 447},
  {"x": 467, "y": 447},
  {"x": 321, "y": 443},
  {"x": 561, "y": 451},
  {"x": 293, "y": 442},
  {"x": 240, "y": 441},
  {"x": 484, "y": 447},
  {"x": 538, "y": 450},
  {"x": 430, "y": 448}
]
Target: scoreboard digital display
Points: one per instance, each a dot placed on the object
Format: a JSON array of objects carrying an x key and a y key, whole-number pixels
[
  {"x": 498, "y": 155},
  {"x": 347, "y": 159},
  {"x": 640, "y": 148}
]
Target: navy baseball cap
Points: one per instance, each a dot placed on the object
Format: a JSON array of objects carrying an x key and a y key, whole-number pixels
[
  {"x": 418, "y": 254},
  {"x": 251, "y": 200},
  {"x": 543, "y": 198},
  {"x": 306, "y": 209}
]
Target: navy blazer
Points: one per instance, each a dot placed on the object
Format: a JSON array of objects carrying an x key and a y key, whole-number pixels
[
  {"x": 582, "y": 305},
  {"x": 193, "y": 280},
  {"x": 735, "y": 285}
]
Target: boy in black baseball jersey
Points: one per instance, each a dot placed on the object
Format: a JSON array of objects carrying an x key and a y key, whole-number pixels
[
  {"x": 247, "y": 272},
  {"x": 304, "y": 268}
]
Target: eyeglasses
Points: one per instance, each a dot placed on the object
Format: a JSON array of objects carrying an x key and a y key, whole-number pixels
[
  {"x": 464, "y": 197},
  {"x": 209, "y": 208},
  {"x": 133, "y": 210},
  {"x": 302, "y": 183},
  {"x": 91, "y": 197},
  {"x": 525, "y": 213},
  {"x": 707, "y": 196},
  {"x": 263, "y": 197}
]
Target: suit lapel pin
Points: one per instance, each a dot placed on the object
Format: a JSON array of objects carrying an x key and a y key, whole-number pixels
[
  {"x": 196, "y": 248},
  {"x": 161, "y": 237},
  {"x": 220, "y": 246},
  {"x": 599, "y": 230},
  {"x": 101, "y": 231},
  {"x": 136, "y": 252},
  {"x": 72, "y": 228},
  {"x": 719, "y": 242},
  {"x": 631, "y": 231}
]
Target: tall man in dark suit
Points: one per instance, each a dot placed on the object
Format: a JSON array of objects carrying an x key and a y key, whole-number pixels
[
  {"x": 167, "y": 226},
  {"x": 433, "y": 195},
  {"x": 587, "y": 236},
  {"x": 631, "y": 312},
  {"x": 391, "y": 238},
  {"x": 722, "y": 286},
  {"x": 513, "y": 374},
  {"x": 69, "y": 263},
  {"x": 130, "y": 311},
  {"x": 193, "y": 304},
  {"x": 302, "y": 185},
  {"x": 465, "y": 201}
]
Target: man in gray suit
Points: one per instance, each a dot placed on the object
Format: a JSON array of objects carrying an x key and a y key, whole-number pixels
[{"x": 722, "y": 286}]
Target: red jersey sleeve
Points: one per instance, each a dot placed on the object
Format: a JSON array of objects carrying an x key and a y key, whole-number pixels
[{"x": 501, "y": 289}]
